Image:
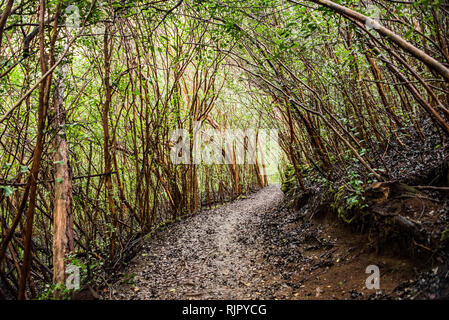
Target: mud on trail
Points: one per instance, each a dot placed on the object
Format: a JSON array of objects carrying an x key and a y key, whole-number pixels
[{"x": 252, "y": 248}]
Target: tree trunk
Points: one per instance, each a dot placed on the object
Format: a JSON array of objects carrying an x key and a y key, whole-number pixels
[{"x": 62, "y": 212}]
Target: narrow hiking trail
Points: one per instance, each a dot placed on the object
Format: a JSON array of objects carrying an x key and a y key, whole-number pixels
[
  {"x": 216, "y": 254},
  {"x": 253, "y": 248}
]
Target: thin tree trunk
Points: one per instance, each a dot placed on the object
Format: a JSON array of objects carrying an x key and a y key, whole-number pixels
[
  {"x": 106, "y": 139},
  {"x": 62, "y": 212},
  {"x": 42, "y": 112}
]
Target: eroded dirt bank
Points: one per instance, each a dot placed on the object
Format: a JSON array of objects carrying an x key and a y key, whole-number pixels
[{"x": 253, "y": 248}]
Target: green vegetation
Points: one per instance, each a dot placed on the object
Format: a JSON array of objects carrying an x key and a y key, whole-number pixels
[{"x": 90, "y": 92}]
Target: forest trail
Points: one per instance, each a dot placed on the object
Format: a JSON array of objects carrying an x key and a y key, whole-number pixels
[
  {"x": 254, "y": 248},
  {"x": 215, "y": 254},
  {"x": 118, "y": 116}
]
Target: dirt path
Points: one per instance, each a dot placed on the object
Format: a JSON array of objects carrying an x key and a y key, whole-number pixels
[
  {"x": 254, "y": 248},
  {"x": 215, "y": 254}
]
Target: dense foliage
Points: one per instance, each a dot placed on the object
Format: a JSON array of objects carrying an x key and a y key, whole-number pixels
[{"x": 92, "y": 89}]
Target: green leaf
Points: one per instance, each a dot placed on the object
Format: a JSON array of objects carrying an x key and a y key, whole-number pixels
[
  {"x": 6, "y": 166},
  {"x": 8, "y": 190}
]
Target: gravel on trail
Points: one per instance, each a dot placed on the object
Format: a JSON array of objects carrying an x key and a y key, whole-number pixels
[{"x": 215, "y": 254}]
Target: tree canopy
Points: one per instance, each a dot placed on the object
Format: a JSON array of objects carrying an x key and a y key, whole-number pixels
[{"x": 91, "y": 90}]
